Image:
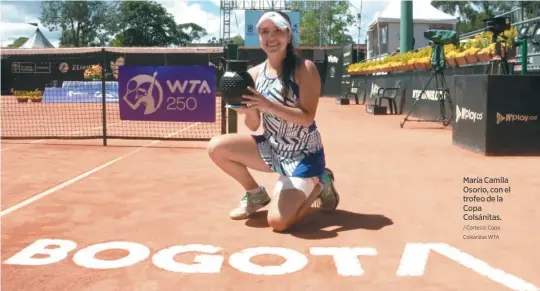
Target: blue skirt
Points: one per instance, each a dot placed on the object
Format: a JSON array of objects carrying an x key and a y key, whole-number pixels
[{"x": 301, "y": 163}]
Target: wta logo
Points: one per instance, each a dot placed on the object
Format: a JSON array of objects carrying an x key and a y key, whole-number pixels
[
  {"x": 144, "y": 90},
  {"x": 467, "y": 114},
  {"x": 510, "y": 117}
]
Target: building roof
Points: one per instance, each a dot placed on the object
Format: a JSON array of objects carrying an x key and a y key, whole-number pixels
[
  {"x": 38, "y": 40},
  {"x": 423, "y": 12}
]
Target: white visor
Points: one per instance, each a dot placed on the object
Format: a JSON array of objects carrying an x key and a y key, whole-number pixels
[{"x": 276, "y": 18}]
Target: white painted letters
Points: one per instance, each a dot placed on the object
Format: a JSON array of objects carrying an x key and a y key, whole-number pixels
[
  {"x": 164, "y": 259},
  {"x": 346, "y": 259},
  {"x": 415, "y": 256},
  {"x": 26, "y": 256},
  {"x": 87, "y": 256},
  {"x": 413, "y": 261},
  {"x": 295, "y": 261}
]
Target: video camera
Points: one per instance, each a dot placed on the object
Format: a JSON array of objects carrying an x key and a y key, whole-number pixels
[
  {"x": 497, "y": 25},
  {"x": 441, "y": 36}
]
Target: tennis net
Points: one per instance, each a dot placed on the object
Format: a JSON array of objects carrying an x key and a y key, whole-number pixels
[{"x": 26, "y": 74}]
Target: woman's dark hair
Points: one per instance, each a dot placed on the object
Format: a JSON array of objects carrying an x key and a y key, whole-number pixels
[{"x": 289, "y": 63}]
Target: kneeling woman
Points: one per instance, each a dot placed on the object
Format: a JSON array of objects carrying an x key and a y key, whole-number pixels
[{"x": 286, "y": 94}]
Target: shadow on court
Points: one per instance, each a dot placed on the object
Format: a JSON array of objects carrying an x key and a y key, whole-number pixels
[{"x": 320, "y": 225}]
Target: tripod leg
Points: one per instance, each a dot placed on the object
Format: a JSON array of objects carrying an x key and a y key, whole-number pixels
[
  {"x": 447, "y": 98},
  {"x": 416, "y": 101}
]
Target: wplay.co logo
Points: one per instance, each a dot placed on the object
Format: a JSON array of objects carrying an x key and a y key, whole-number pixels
[
  {"x": 467, "y": 114},
  {"x": 511, "y": 117}
]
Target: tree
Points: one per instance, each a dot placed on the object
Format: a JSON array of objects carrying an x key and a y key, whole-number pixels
[
  {"x": 530, "y": 9},
  {"x": 18, "y": 42},
  {"x": 333, "y": 16},
  {"x": 83, "y": 23},
  {"x": 192, "y": 31},
  {"x": 147, "y": 23},
  {"x": 472, "y": 13},
  {"x": 238, "y": 40}
]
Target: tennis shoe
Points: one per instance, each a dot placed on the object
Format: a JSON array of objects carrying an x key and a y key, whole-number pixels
[
  {"x": 329, "y": 198},
  {"x": 250, "y": 203}
]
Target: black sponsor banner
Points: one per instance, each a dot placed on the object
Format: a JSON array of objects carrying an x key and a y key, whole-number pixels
[
  {"x": 412, "y": 84},
  {"x": 513, "y": 108},
  {"x": 334, "y": 70},
  {"x": 30, "y": 72},
  {"x": 348, "y": 59},
  {"x": 498, "y": 114},
  {"x": 319, "y": 59},
  {"x": 470, "y": 101}
]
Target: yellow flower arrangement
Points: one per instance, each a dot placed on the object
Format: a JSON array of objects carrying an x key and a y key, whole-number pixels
[
  {"x": 93, "y": 73},
  {"x": 25, "y": 95},
  {"x": 478, "y": 49}
]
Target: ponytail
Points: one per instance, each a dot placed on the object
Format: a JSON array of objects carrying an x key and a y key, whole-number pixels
[{"x": 289, "y": 64}]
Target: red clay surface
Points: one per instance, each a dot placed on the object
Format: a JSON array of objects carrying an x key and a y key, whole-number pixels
[{"x": 398, "y": 187}]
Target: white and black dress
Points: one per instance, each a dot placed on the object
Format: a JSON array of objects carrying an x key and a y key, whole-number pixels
[{"x": 287, "y": 148}]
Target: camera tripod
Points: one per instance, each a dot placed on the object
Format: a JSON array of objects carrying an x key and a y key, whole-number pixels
[
  {"x": 441, "y": 91},
  {"x": 498, "y": 64}
]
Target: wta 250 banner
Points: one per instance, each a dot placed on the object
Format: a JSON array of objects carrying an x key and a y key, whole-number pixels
[{"x": 168, "y": 93}]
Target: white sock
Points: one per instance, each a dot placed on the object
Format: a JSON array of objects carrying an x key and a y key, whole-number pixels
[{"x": 256, "y": 190}]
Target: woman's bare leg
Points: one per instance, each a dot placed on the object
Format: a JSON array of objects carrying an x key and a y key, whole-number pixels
[
  {"x": 289, "y": 206},
  {"x": 234, "y": 154}
]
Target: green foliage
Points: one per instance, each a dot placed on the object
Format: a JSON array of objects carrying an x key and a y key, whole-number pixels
[
  {"x": 334, "y": 16},
  {"x": 116, "y": 23},
  {"x": 147, "y": 23},
  {"x": 18, "y": 42},
  {"x": 472, "y": 13},
  {"x": 237, "y": 40},
  {"x": 83, "y": 23}
]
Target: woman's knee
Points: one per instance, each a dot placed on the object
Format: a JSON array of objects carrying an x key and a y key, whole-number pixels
[
  {"x": 291, "y": 196},
  {"x": 284, "y": 208},
  {"x": 280, "y": 223},
  {"x": 216, "y": 147}
]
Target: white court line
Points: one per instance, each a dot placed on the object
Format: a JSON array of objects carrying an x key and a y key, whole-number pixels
[
  {"x": 83, "y": 175},
  {"x": 73, "y": 132}
]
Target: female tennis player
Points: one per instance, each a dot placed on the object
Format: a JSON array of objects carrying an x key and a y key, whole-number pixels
[{"x": 286, "y": 94}]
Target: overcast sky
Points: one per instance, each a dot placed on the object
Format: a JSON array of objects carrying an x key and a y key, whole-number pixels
[{"x": 16, "y": 14}]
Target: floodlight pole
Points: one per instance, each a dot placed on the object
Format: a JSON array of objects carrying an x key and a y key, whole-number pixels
[{"x": 406, "y": 26}]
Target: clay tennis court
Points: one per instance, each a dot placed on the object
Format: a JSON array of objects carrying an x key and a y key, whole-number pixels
[{"x": 154, "y": 216}]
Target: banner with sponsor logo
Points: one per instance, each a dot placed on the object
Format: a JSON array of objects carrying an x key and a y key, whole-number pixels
[
  {"x": 167, "y": 93},
  {"x": 81, "y": 92},
  {"x": 348, "y": 59},
  {"x": 251, "y": 37},
  {"x": 334, "y": 70},
  {"x": 497, "y": 114}
]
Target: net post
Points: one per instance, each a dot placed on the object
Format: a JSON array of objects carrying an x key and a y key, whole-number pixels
[
  {"x": 232, "y": 120},
  {"x": 103, "y": 94}
]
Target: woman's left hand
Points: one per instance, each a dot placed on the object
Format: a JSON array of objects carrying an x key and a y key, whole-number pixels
[{"x": 256, "y": 100}]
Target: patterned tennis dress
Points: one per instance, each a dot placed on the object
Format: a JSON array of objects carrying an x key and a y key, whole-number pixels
[{"x": 289, "y": 149}]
